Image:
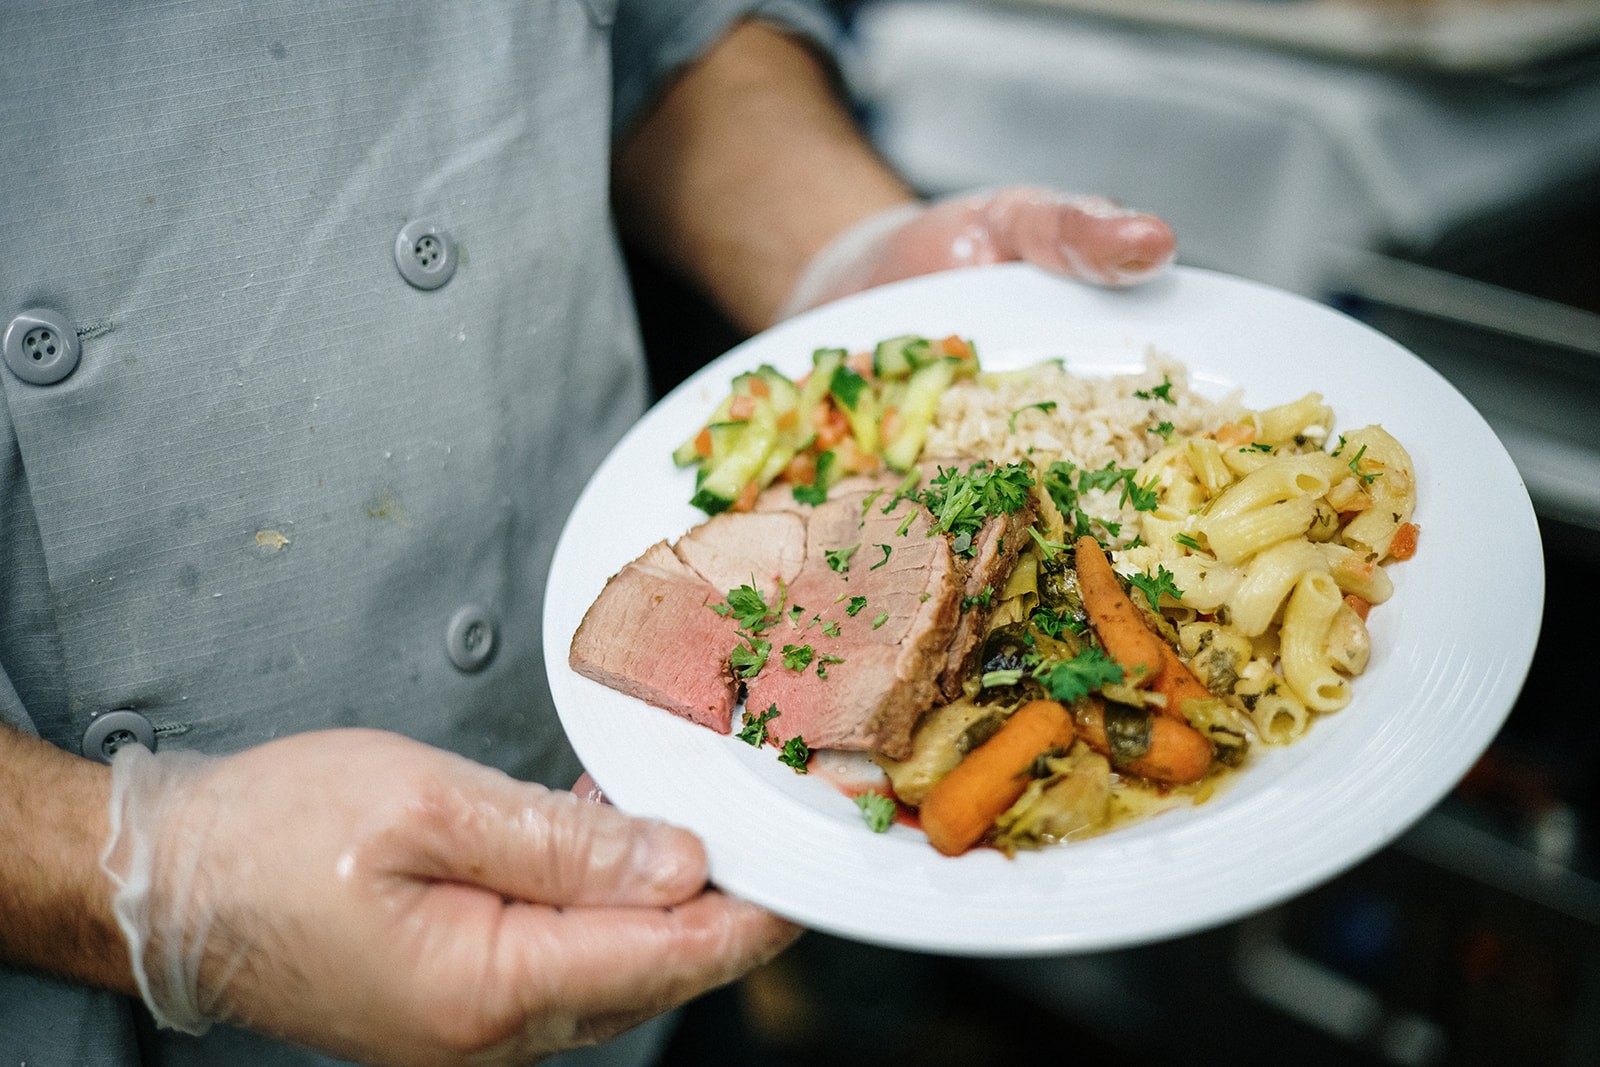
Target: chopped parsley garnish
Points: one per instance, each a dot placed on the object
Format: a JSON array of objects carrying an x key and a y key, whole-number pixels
[
  {"x": 1047, "y": 548},
  {"x": 996, "y": 679},
  {"x": 830, "y": 628},
  {"x": 1152, "y": 588},
  {"x": 1059, "y": 483},
  {"x": 1105, "y": 478},
  {"x": 798, "y": 657},
  {"x": 795, "y": 754},
  {"x": 1187, "y": 541},
  {"x": 1161, "y": 392},
  {"x": 885, "y": 559},
  {"x": 749, "y": 607},
  {"x": 1050, "y": 624},
  {"x": 755, "y": 726},
  {"x": 877, "y": 809},
  {"x": 962, "y": 502},
  {"x": 882, "y": 617},
  {"x": 839, "y": 558},
  {"x": 906, "y": 490},
  {"x": 822, "y": 663},
  {"x": 1046, "y": 406},
  {"x": 749, "y": 656},
  {"x": 794, "y": 615},
  {"x": 853, "y": 608},
  {"x": 978, "y": 600},
  {"x": 1164, "y": 429},
  {"x": 1072, "y": 679},
  {"x": 1143, "y": 497},
  {"x": 1256, "y": 446},
  {"x": 1355, "y": 459},
  {"x": 870, "y": 497}
]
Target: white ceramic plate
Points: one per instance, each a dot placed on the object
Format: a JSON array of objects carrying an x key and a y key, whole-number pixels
[{"x": 1451, "y": 648}]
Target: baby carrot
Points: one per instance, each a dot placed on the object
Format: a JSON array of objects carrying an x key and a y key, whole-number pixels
[
  {"x": 1132, "y": 644},
  {"x": 963, "y": 805},
  {"x": 1160, "y": 748},
  {"x": 1177, "y": 683}
]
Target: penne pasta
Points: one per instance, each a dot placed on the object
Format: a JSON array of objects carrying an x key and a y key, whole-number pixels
[
  {"x": 1379, "y": 461},
  {"x": 1303, "y": 643},
  {"x": 1235, "y": 537},
  {"x": 1307, "y": 420},
  {"x": 1266, "y": 582}
]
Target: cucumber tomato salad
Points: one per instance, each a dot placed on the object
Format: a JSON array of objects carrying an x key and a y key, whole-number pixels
[{"x": 848, "y": 415}]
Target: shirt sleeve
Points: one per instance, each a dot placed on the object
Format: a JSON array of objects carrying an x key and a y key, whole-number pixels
[{"x": 653, "y": 39}]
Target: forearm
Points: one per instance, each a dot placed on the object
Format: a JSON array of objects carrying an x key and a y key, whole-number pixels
[
  {"x": 55, "y": 902},
  {"x": 745, "y": 169}
]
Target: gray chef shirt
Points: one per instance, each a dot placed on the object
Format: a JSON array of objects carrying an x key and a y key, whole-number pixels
[{"x": 316, "y": 325}]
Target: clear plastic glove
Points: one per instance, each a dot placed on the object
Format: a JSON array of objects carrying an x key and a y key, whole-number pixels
[
  {"x": 384, "y": 901},
  {"x": 1084, "y": 237}
]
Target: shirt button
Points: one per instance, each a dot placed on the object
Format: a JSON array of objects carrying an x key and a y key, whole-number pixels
[
  {"x": 425, "y": 254},
  {"x": 112, "y": 730},
  {"x": 40, "y": 346},
  {"x": 470, "y": 639}
]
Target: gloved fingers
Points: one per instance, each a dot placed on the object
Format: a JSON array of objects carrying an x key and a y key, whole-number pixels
[
  {"x": 607, "y": 969},
  {"x": 586, "y": 788},
  {"x": 1085, "y": 237},
  {"x": 479, "y": 827}
]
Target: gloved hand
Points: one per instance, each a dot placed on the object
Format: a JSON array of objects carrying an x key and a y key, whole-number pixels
[
  {"x": 1083, "y": 237},
  {"x": 385, "y": 901}
]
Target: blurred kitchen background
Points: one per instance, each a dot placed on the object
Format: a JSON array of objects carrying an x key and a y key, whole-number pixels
[{"x": 1431, "y": 167}]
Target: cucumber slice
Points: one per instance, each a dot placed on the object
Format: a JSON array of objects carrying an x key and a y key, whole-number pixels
[
  {"x": 855, "y": 398},
  {"x": 745, "y": 459},
  {"x": 897, "y": 357},
  {"x": 917, "y": 409}
]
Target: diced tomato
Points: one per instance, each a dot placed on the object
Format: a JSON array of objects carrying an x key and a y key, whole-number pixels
[
  {"x": 1358, "y": 605},
  {"x": 1404, "y": 545},
  {"x": 702, "y": 442},
  {"x": 802, "y": 469},
  {"x": 747, "y": 497},
  {"x": 759, "y": 387},
  {"x": 1359, "y": 567},
  {"x": 832, "y": 426},
  {"x": 852, "y": 460},
  {"x": 861, "y": 363},
  {"x": 1235, "y": 433},
  {"x": 957, "y": 347},
  {"x": 741, "y": 407}
]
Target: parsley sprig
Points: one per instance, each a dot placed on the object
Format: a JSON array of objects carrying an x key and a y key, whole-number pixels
[
  {"x": 755, "y": 726},
  {"x": 796, "y": 753},
  {"x": 961, "y": 502},
  {"x": 1072, "y": 679},
  {"x": 1152, "y": 586},
  {"x": 749, "y": 608}
]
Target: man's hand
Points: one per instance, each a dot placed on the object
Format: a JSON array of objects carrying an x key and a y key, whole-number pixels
[
  {"x": 751, "y": 180},
  {"x": 385, "y": 901},
  {"x": 1083, "y": 237}
]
